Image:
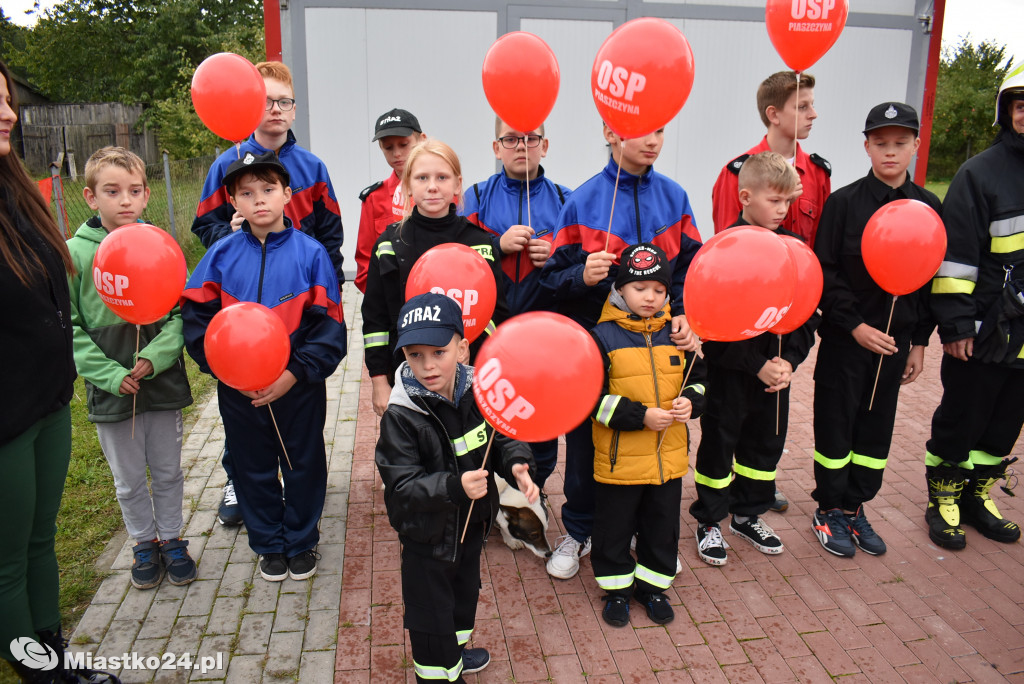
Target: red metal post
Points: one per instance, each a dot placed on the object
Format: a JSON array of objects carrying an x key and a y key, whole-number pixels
[
  {"x": 930, "y": 80},
  {"x": 272, "y": 29}
]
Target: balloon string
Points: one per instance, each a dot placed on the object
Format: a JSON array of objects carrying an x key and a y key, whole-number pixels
[
  {"x": 138, "y": 330},
  {"x": 483, "y": 465},
  {"x": 689, "y": 370},
  {"x": 881, "y": 356},
  {"x": 615, "y": 192},
  {"x": 274, "y": 420}
]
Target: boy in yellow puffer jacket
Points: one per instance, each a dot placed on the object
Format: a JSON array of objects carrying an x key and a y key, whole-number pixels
[{"x": 640, "y": 438}]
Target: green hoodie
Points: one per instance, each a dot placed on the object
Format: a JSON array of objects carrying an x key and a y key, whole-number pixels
[{"x": 105, "y": 344}]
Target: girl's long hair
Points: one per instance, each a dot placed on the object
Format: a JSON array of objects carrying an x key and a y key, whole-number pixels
[
  {"x": 435, "y": 147},
  {"x": 15, "y": 252}
]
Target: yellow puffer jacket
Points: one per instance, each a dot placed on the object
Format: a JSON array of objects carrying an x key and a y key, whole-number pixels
[{"x": 643, "y": 369}]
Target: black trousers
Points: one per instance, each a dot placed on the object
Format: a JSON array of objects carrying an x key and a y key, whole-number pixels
[
  {"x": 982, "y": 409},
  {"x": 739, "y": 421},
  {"x": 440, "y": 599},
  {"x": 851, "y": 441},
  {"x": 277, "y": 526},
  {"x": 651, "y": 512}
]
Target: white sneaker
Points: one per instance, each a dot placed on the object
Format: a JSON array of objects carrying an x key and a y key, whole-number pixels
[{"x": 565, "y": 559}]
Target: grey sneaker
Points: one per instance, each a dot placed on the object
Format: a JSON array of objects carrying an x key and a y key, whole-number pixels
[{"x": 565, "y": 559}]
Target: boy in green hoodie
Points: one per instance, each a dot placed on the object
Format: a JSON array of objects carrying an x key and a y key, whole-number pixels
[{"x": 152, "y": 386}]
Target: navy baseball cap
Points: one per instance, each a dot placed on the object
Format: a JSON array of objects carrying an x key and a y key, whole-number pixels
[
  {"x": 429, "y": 319},
  {"x": 250, "y": 162},
  {"x": 892, "y": 114},
  {"x": 395, "y": 122}
]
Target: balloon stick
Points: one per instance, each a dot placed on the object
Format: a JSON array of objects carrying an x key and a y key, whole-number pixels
[
  {"x": 881, "y": 356},
  {"x": 138, "y": 329},
  {"x": 483, "y": 465},
  {"x": 689, "y": 370},
  {"x": 274, "y": 420},
  {"x": 615, "y": 192},
  {"x": 796, "y": 122}
]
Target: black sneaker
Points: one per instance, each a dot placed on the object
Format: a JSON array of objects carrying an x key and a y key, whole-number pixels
[
  {"x": 273, "y": 567},
  {"x": 833, "y": 531},
  {"x": 710, "y": 544},
  {"x": 147, "y": 568},
  {"x": 474, "y": 660},
  {"x": 780, "y": 504},
  {"x": 303, "y": 565},
  {"x": 229, "y": 514},
  {"x": 181, "y": 569},
  {"x": 657, "y": 606},
  {"x": 616, "y": 610},
  {"x": 757, "y": 532},
  {"x": 864, "y": 536}
]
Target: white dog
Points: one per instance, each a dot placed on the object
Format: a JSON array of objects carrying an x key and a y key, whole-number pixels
[{"x": 522, "y": 523}]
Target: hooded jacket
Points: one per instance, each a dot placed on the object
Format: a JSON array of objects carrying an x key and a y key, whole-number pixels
[
  {"x": 105, "y": 344},
  {"x": 420, "y": 462},
  {"x": 501, "y": 202},
  {"x": 643, "y": 369}
]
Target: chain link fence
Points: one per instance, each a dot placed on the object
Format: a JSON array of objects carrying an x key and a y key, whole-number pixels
[{"x": 175, "y": 189}]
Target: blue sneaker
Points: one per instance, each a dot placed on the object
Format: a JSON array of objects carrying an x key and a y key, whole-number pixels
[
  {"x": 474, "y": 660},
  {"x": 147, "y": 567},
  {"x": 833, "y": 531},
  {"x": 864, "y": 536},
  {"x": 181, "y": 569}
]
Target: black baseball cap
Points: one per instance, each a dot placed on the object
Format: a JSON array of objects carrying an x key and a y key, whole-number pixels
[
  {"x": 643, "y": 261},
  {"x": 892, "y": 114},
  {"x": 429, "y": 319},
  {"x": 251, "y": 161},
  {"x": 396, "y": 122}
]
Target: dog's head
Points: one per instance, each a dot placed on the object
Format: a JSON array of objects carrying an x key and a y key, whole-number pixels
[{"x": 529, "y": 525}]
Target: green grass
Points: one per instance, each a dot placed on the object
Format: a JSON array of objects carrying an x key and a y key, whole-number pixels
[{"x": 938, "y": 187}]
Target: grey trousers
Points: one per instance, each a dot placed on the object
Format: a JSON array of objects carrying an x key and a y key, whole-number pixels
[{"x": 157, "y": 444}]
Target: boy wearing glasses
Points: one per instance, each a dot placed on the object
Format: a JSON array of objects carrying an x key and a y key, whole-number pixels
[
  {"x": 313, "y": 208},
  {"x": 520, "y": 206}
]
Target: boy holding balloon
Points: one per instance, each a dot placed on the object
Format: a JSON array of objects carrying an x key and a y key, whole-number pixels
[
  {"x": 266, "y": 261},
  {"x": 432, "y": 456},
  {"x": 135, "y": 380},
  {"x": 748, "y": 393},
  {"x": 863, "y": 359},
  {"x": 520, "y": 206},
  {"x": 588, "y": 241}
]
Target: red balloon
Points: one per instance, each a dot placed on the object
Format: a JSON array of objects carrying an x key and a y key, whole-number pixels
[
  {"x": 903, "y": 245},
  {"x": 642, "y": 76},
  {"x": 802, "y": 31},
  {"x": 532, "y": 396},
  {"x": 461, "y": 273},
  {"x": 139, "y": 273},
  {"x": 247, "y": 346},
  {"x": 521, "y": 80},
  {"x": 229, "y": 95},
  {"x": 807, "y": 290},
  {"x": 739, "y": 284}
]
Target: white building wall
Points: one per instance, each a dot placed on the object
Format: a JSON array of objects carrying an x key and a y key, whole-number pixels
[{"x": 353, "y": 63}]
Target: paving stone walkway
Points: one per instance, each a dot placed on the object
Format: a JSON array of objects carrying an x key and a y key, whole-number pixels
[{"x": 916, "y": 614}]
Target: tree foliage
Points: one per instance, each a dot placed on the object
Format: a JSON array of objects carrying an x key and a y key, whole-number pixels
[
  {"x": 139, "y": 52},
  {"x": 965, "y": 97}
]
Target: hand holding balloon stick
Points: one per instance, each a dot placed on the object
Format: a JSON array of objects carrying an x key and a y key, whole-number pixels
[
  {"x": 247, "y": 348},
  {"x": 139, "y": 272},
  {"x": 903, "y": 245},
  {"x": 641, "y": 78},
  {"x": 521, "y": 80},
  {"x": 531, "y": 398}
]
